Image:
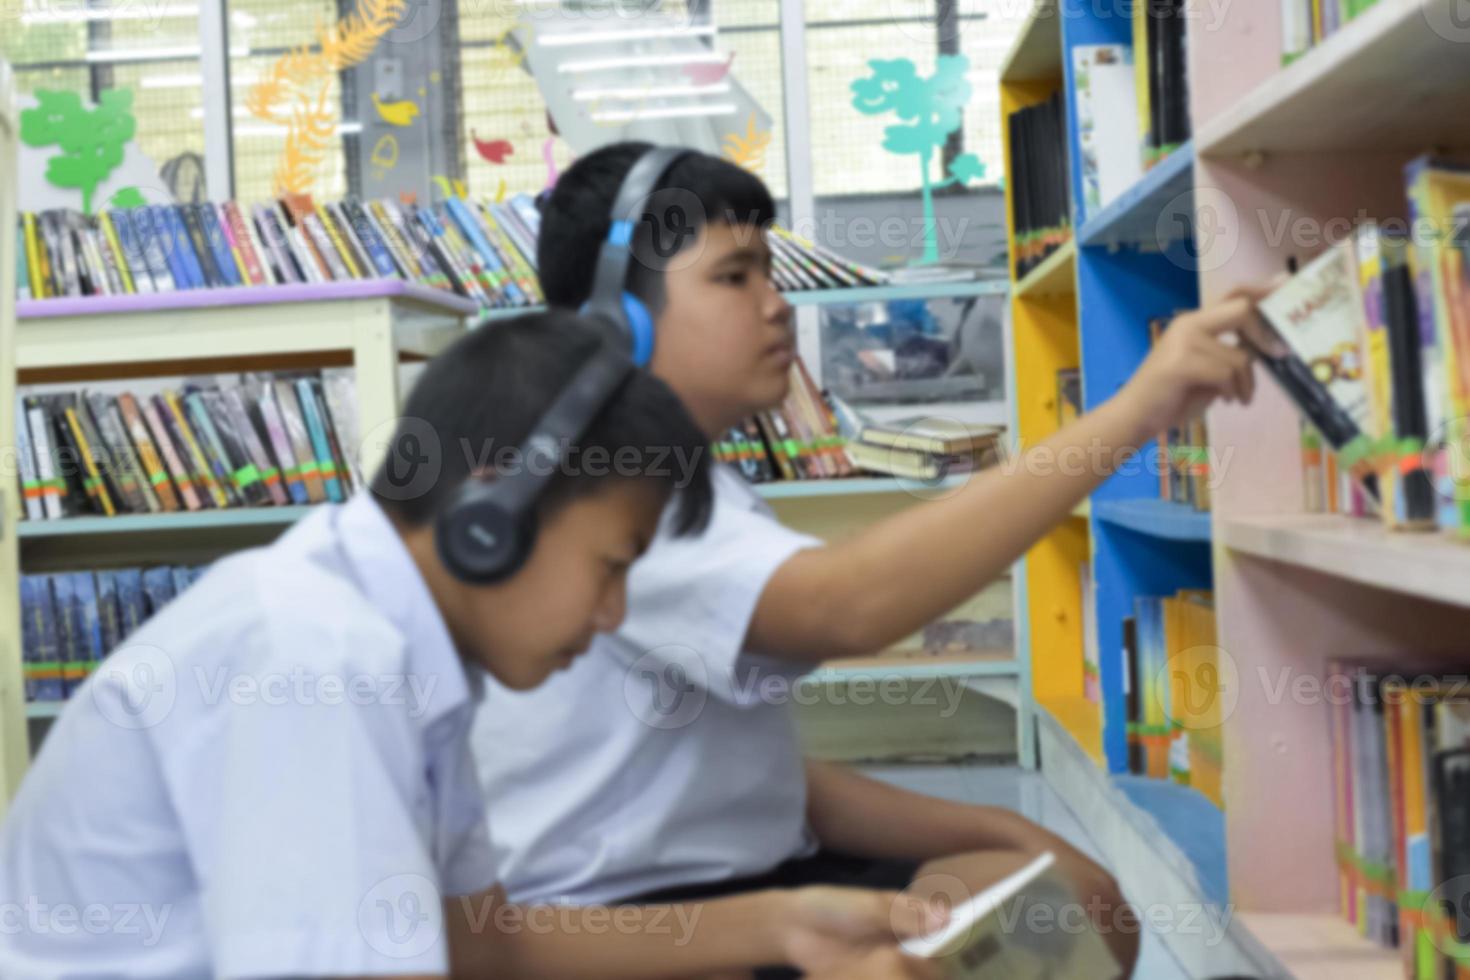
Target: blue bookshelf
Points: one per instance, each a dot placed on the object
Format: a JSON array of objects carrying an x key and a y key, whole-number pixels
[
  {"x": 1135, "y": 263},
  {"x": 1156, "y": 518}
]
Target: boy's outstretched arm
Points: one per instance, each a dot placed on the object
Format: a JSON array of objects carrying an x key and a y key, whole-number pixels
[
  {"x": 860, "y": 595},
  {"x": 816, "y": 929}
]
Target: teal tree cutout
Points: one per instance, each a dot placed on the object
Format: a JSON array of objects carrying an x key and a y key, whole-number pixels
[
  {"x": 91, "y": 141},
  {"x": 930, "y": 110}
]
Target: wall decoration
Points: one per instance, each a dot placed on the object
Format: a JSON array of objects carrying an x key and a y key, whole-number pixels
[
  {"x": 492, "y": 151},
  {"x": 293, "y": 91},
  {"x": 385, "y": 155},
  {"x": 89, "y": 142},
  {"x": 400, "y": 113},
  {"x": 701, "y": 74},
  {"x": 929, "y": 109},
  {"x": 748, "y": 150}
]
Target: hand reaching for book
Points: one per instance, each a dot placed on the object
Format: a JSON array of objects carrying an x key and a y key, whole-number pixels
[{"x": 1203, "y": 355}]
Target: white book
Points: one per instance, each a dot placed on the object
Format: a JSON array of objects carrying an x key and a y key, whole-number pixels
[
  {"x": 40, "y": 424},
  {"x": 1027, "y": 926},
  {"x": 1319, "y": 313},
  {"x": 1107, "y": 123},
  {"x": 29, "y": 476}
]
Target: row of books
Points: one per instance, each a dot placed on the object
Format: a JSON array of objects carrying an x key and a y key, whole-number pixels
[
  {"x": 483, "y": 251},
  {"x": 799, "y": 440},
  {"x": 1173, "y": 691},
  {"x": 799, "y": 263},
  {"x": 1327, "y": 486},
  {"x": 256, "y": 441},
  {"x": 1401, "y": 807},
  {"x": 1306, "y": 23},
  {"x": 71, "y": 620},
  {"x": 1378, "y": 336},
  {"x": 1159, "y": 57},
  {"x": 1183, "y": 453},
  {"x": 480, "y": 250},
  {"x": 1040, "y": 214}
]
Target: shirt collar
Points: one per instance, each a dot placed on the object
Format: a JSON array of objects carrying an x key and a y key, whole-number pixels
[{"x": 391, "y": 582}]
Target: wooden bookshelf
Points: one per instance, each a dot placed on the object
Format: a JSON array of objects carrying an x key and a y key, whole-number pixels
[
  {"x": 1293, "y": 590},
  {"x": 14, "y": 751},
  {"x": 1055, "y": 276}
]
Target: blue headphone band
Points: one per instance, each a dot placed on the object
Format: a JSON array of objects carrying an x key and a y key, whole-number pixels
[{"x": 610, "y": 298}]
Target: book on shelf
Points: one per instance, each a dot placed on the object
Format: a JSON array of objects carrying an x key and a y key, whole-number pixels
[
  {"x": 1107, "y": 123},
  {"x": 71, "y": 621},
  {"x": 1401, "y": 779},
  {"x": 1321, "y": 321},
  {"x": 925, "y": 448},
  {"x": 1182, "y": 453},
  {"x": 1306, "y": 23},
  {"x": 1041, "y": 219},
  {"x": 1174, "y": 705},
  {"x": 242, "y": 441}
]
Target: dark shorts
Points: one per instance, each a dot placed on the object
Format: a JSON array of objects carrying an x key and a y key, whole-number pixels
[{"x": 822, "y": 868}]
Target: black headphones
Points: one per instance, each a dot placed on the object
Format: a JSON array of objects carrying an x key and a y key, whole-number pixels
[{"x": 487, "y": 531}]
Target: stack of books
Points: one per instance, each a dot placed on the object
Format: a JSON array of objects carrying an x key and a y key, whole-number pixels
[
  {"x": 1041, "y": 215},
  {"x": 257, "y": 442},
  {"x": 1401, "y": 795},
  {"x": 71, "y": 620},
  {"x": 482, "y": 251},
  {"x": 798, "y": 264},
  {"x": 924, "y": 448}
]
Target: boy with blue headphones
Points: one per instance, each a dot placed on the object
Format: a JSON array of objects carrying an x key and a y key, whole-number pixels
[
  {"x": 654, "y": 769},
  {"x": 273, "y": 777}
]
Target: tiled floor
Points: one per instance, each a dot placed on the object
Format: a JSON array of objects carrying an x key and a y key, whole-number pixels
[{"x": 1027, "y": 793}]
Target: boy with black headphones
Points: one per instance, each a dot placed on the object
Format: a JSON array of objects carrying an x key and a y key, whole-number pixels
[
  {"x": 273, "y": 777},
  {"x": 654, "y": 769}
]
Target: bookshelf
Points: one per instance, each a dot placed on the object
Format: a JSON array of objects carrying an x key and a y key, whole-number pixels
[
  {"x": 373, "y": 326},
  {"x": 1317, "y": 143},
  {"x": 14, "y": 751}
]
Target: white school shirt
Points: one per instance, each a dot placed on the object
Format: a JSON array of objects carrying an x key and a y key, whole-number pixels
[
  {"x": 666, "y": 755},
  {"x": 272, "y": 778}
]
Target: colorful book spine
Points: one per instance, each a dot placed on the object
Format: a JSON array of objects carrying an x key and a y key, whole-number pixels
[
  {"x": 91, "y": 476},
  {"x": 275, "y": 429},
  {"x": 31, "y": 490},
  {"x": 234, "y": 404},
  {"x": 120, "y": 255},
  {"x": 171, "y": 410},
  {"x": 301, "y": 446},
  {"x": 53, "y": 486},
  {"x": 148, "y": 454},
  {"x": 183, "y": 481},
  {"x": 320, "y": 447}
]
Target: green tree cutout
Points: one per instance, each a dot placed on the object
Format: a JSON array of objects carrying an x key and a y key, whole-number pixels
[
  {"x": 930, "y": 110},
  {"x": 91, "y": 140}
]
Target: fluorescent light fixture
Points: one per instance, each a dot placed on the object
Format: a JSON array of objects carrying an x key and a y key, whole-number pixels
[
  {"x": 656, "y": 92},
  {"x": 190, "y": 81},
  {"x": 667, "y": 112},
  {"x": 127, "y": 12},
  {"x": 271, "y": 129},
  {"x": 643, "y": 61},
  {"x": 563, "y": 39},
  {"x": 153, "y": 54}
]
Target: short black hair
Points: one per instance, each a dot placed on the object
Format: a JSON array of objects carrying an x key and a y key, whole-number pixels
[
  {"x": 576, "y": 217},
  {"x": 480, "y": 398}
]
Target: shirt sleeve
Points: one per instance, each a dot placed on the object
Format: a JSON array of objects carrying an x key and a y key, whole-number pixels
[
  {"x": 308, "y": 817},
  {"x": 693, "y": 598}
]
